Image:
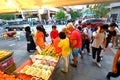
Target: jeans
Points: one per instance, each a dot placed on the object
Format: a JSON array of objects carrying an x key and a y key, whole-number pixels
[
  {"x": 87, "y": 45},
  {"x": 96, "y": 51}
]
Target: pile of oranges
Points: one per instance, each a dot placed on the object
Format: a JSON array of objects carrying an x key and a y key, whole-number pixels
[{"x": 7, "y": 77}]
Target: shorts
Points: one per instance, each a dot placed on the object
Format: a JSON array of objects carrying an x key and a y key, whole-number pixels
[
  {"x": 75, "y": 52},
  {"x": 79, "y": 50}
]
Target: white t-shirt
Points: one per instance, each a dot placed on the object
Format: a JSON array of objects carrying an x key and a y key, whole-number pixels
[
  {"x": 88, "y": 32},
  {"x": 97, "y": 42}
]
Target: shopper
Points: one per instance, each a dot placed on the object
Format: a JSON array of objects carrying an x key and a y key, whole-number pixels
[
  {"x": 111, "y": 34},
  {"x": 54, "y": 33},
  {"x": 44, "y": 32},
  {"x": 116, "y": 66},
  {"x": 39, "y": 37},
  {"x": 78, "y": 24},
  {"x": 67, "y": 33},
  {"x": 117, "y": 36},
  {"x": 99, "y": 43},
  {"x": 88, "y": 37},
  {"x": 75, "y": 39},
  {"x": 82, "y": 41},
  {"x": 65, "y": 46},
  {"x": 30, "y": 42}
]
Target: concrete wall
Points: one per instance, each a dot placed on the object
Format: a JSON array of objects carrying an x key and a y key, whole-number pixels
[
  {"x": 115, "y": 9},
  {"x": 115, "y": 4}
]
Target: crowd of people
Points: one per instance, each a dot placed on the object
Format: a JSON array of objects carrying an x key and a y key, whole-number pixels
[{"x": 74, "y": 39}]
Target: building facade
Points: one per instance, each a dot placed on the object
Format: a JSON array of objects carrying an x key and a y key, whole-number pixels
[{"x": 115, "y": 10}]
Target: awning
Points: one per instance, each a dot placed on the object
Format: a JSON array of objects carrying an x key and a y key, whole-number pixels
[
  {"x": 59, "y": 3},
  {"x": 11, "y": 6}
]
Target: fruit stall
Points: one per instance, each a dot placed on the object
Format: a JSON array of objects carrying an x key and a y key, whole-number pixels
[
  {"x": 39, "y": 66},
  {"x": 6, "y": 61}
]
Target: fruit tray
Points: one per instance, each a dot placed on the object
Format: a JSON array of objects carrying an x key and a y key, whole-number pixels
[{"x": 4, "y": 54}]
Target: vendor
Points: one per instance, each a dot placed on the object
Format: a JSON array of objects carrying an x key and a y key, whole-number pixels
[{"x": 39, "y": 37}]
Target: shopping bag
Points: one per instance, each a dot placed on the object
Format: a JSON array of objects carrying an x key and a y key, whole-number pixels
[
  {"x": 28, "y": 42},
  {"x": 38, "y": 49}
]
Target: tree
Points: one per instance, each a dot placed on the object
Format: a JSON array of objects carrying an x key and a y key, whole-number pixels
[
  {"x": 99, "y": 9},
  {"x": 60, "y": 15},
  {"x": 6, "y": 16},
  {"x": 75, "y": 14}
]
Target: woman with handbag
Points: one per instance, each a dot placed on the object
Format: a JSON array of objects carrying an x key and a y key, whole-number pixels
[{"x": 30, "y": 42}]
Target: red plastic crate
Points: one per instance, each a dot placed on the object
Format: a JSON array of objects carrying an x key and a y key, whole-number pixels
[{"x": 6, "y": 63}]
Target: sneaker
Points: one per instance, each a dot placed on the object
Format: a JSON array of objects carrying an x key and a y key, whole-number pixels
[
  {"x": 89, "y": 54},
  {"x": 98, "y": 64},
  {"x": 93, "y": 60},
  {"x": 101, "y": 58}
]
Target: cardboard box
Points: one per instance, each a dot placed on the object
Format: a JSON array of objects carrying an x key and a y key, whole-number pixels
[{"x": 6, "y": 63}]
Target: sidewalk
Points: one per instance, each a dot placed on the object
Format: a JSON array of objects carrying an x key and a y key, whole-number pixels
[{"x": 86, "y": 69}]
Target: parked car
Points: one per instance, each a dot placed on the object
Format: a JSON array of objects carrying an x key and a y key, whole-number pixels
[
  {"x": 16, "y": 24},
  {"x": 94, "y": 21}
]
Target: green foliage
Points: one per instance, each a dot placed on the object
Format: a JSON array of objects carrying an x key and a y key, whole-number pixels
[
  {"x": 75, "y": 14},
  {"x": 6, "y": 16},
  {"x": 99, "y": 9},
  {"x": 60, "y": 15}
]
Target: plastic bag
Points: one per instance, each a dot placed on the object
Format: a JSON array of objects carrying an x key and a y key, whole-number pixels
[{"x": 38, "y": 49}]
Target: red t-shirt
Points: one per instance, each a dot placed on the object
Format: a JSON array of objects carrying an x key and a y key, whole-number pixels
[
  {"x": 75, "y": 35},
  {"x": 54, "y": 34}
]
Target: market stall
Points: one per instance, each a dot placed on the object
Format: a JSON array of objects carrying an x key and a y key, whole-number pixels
[
  {"x": 6, "y": 61},
  {"x": 39, "y": 66}
]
